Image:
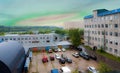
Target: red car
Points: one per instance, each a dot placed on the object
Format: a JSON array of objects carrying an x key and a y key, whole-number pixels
[
  {"x": 52, "y": 58},
  {"x": 44, "y": 59}
]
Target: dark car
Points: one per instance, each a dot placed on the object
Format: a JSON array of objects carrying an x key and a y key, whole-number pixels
[
  {"x": 63, "y": 56},
  {"x": 44, "y": 59},
  {"x": 62, "y": 61},
  {"x": 93, "y": 57},
  {"x": 52, "y": 58},
  {"x": 76, "y": 55},
  {"x": 68, "y": 60},
  {"x": 84, "y": 55}
]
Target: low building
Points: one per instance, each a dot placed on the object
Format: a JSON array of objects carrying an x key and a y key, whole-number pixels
[
  {"x": 39, "y": 41},
  {"x": 12, "y": 57}
]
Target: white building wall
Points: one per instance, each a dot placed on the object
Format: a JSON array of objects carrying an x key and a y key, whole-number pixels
[{"x": 96, "y": 39}]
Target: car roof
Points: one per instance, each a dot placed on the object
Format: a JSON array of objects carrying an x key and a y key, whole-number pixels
[
  {"x": 66, "y": 69},
  {"x": 91, "y": 67}
]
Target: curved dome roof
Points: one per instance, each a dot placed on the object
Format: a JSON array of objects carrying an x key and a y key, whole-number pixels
[{"x": 10, "y": 53}]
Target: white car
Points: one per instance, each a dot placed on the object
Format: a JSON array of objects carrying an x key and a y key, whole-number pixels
[
  {"x": 63, "y": 49},
  {"x": 57, "y": 56},
  {"x": 59, "y": 49},
  {"x": 92, "y": 69},
  {"x": 65, "y": 70}
]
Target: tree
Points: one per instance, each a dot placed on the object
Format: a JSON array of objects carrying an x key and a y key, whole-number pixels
[
  {"x": 75, "y": 36},
  {"x": 60, "y": 31}
]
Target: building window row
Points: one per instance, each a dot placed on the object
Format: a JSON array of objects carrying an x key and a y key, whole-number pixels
[{"x": 101, "y": 26}]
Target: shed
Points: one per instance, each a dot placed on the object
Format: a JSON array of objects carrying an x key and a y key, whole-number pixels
[{"x": 12, "y": 57}]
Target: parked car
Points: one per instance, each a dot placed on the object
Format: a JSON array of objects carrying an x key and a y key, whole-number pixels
[
  {"x": 63, "y": 49},
  {"x": 93, "y": 57},
  {"x": 57, "y": 56},
  {"x": 65, "y": 70},
  {"x": 59, "y": 50},
  {"x": 52, "y": 58},
  {"x": 80, "y": 48},
  {"x": 63, "y": 56},
  {"x": 92, "y": 69},
  {"x": 54, "y": 71},
  {"x": 76, "y": 55},
  {"x": 68, "y": 60},
  {"x": 55, "y": 50},
  {"x": 44, "y": 59},
  {"x": 62, "y": 61},
  {"x": 50, "y": 51},
  {"x": 84, "y": 55}
]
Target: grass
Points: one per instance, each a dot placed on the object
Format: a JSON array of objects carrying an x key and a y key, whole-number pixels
[
  {"x": 105, "y": 54},
  {"x": 88, "y": 47},
  {"x": 110, "y": 56}
]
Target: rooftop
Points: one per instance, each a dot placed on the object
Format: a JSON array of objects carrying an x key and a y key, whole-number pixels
[{"x": 103, "y": 12}]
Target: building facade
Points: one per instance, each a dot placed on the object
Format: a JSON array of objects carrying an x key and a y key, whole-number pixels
[
  {"x": 102, "y": 29},
  {"x": 40, "y": 41}
]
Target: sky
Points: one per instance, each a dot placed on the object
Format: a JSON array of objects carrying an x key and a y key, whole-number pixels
[{"x": 16, "y": 12}]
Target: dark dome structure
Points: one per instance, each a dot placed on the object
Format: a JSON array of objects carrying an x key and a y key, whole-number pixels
[{"x": 12, "y": 57}]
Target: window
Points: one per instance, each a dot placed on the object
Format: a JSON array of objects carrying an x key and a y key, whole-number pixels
[
  {"x": 106, "y": 25},
  {"x": 116, "y": 43},
  {"x": 110, "y": 33},
  {"x": 25, "y": 38},
  {"x": 110, "y": 42},
  {"x": 47, "y": 37},
  {"x": 106, "y": 40},
  {"x": 14, "y": 38},
  {"x": 116, "y": 25},
  {"x": 48, "y": 41},
  {"x": 18, "y": 38},
  {"x": 95, "y": 26},
  {"x": 6, "y": 39},
  {"x": 99, "y": 32},
  {"x": 115, "y": 51},
  {"x": 102, "y": 25},
  {"x": 103, "y": 33},
  {"x": 110, "y": 49},
  {"x": 116, "y": 34},
  {"x": 29, "y": 38},
  {"x": 98, "y": 25},
  {"x": 10, "y": 38},
  {"x": 106, "y": 33}
]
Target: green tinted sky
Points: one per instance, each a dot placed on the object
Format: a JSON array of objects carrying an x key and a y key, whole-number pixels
[{"x": 12, "y": 11}]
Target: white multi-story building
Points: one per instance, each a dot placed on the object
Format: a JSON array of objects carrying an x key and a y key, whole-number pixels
[{"x": 102, "y": 29}]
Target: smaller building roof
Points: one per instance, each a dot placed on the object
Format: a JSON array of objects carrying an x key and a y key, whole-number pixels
[{"x": 63, "y": 43}]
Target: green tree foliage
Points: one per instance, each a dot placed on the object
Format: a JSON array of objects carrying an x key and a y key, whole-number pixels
[
  {"x": 103, "y": 68},
  {"x": 75, "y": 36},
  {"x": 2, "y": 33},
  {"x": 60, "y": 31}
]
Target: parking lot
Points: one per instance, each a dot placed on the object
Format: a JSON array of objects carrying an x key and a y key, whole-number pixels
[{"x": 37, "y": 66}]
